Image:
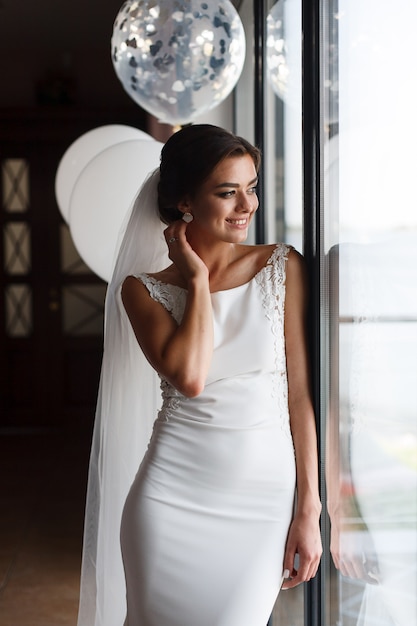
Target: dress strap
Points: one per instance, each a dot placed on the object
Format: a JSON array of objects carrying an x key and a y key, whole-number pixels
[
  {"x": 171, "y": 297},
  {"x": 271, "y": 281},
  {"x": 277, "y": 263}
]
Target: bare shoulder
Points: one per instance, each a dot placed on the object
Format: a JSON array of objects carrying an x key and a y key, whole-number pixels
[
  {"x": 170, "y": 275},
  {"x": 260, "y": 250},
  {"x": 131, "y": 285},
  {"x": 296, "y": 281},
  {"x": 144, "y": 312},
  {"x": 263, "y": 252},
  {"x": 134, "y": 293},
  {"x": 257, "y": 255},
  {"x": 296, "y": 266}
]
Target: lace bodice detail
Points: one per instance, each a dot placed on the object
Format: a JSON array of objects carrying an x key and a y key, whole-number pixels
[
  {"x": 271, "y": 280},
  {"x": 171, "y": 297},
  {"x": 268, "y": 289}
]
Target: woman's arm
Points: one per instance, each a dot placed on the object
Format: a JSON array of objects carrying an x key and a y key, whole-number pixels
[
  {"x": 304, "y": 535},
  {"x": 181, "y": 354}
]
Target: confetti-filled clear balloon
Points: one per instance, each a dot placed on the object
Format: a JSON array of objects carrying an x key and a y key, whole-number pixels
[{"x": 178, "y": 58}]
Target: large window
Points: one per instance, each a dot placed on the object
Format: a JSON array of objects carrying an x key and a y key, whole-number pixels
[
  {"x": 370, "y": 254},
  {"x": 339, "y": 134},
  {"x": 272, "y": 118}
]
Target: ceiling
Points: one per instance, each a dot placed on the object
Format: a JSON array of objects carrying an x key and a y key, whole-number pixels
[
  {"x": 60, "y": 24},
  {"x": 60, "y": 37},
  {"x": 49, "y": 24}
]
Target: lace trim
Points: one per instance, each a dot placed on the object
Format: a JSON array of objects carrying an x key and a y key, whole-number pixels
[
  {"x": 171, "y": 399},
  {"x": 271, "y": 281},
  {"x": 173, "y": 299}
]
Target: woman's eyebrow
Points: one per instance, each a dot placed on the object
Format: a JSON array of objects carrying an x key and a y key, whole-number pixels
[{"x": 251, "y": 182}]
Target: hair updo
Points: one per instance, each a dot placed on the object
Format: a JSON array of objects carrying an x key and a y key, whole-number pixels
[{"x": 187, "y": 160}]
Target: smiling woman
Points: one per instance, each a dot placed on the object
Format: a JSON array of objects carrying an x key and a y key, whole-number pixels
[
  {"x": 207, "y": 527},
  {"x": 224, "y": 205}
]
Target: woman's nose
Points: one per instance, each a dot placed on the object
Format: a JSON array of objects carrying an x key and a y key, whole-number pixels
[{"x": 245, "y": 203}]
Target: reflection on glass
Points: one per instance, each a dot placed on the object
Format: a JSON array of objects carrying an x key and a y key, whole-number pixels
[
  {"x": 283, "y": 66},
  {"x": 283, "y": 168},
  {"x": 371, "y": 251}
]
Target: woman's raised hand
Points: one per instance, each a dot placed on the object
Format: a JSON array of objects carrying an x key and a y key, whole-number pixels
[{"x": 181, "y": 253}]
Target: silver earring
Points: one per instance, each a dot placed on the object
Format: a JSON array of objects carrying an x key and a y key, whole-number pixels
[{"x": 187, "y": 217}]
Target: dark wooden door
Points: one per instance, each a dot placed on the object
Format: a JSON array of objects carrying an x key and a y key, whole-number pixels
[{"x": 51, "y": 308}]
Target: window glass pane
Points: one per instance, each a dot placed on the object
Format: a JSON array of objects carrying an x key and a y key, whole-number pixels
[
  {"x": 284, "y": 122},
  {"x": 370, "y": 231},
  {"x": 15, "y": 185},
  {"x": 83, "y": 309},
  {"x": 71, "y": 262},
  {"x": 17, "y": 248},
  {"x": 282, "y": 154},
  {"x": 18, "y": 310},
  {"x": 281, "y": 159},
  {"x": 289, "y": 608},
  {"x": 283, "y": 174}
]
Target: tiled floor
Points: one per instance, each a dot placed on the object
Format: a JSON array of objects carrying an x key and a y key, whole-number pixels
[{"x": 42, "y": 490}]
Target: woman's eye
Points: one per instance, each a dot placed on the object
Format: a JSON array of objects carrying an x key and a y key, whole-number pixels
[{"x": 232, "y": 192}]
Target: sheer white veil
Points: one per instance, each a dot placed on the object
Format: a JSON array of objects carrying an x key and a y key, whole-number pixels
[{"x": 127, "y": 405}]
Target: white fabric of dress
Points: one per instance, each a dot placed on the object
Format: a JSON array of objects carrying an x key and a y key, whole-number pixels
[{"x": 206, "y": 520}]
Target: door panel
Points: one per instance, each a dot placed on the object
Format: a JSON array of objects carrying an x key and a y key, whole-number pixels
[
  {"x": 39, "y": 348},
  {"x": 51, "y": 304}
]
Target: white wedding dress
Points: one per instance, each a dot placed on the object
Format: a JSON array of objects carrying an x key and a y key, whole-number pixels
[{"x": 205, "y": 523}]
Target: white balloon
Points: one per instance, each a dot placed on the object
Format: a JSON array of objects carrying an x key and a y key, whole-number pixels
[
  {"x": 82, "y": 150},
  {"x": 103, "y": 194}
]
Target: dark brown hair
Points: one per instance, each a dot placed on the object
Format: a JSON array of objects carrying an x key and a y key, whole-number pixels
[{"x": 187, "y": 160}]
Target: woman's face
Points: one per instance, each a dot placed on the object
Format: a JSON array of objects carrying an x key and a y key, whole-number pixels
[{"x": 224, "y": 205}]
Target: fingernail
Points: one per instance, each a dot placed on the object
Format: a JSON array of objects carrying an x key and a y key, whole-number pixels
[{"x": 286, "y": 573}]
